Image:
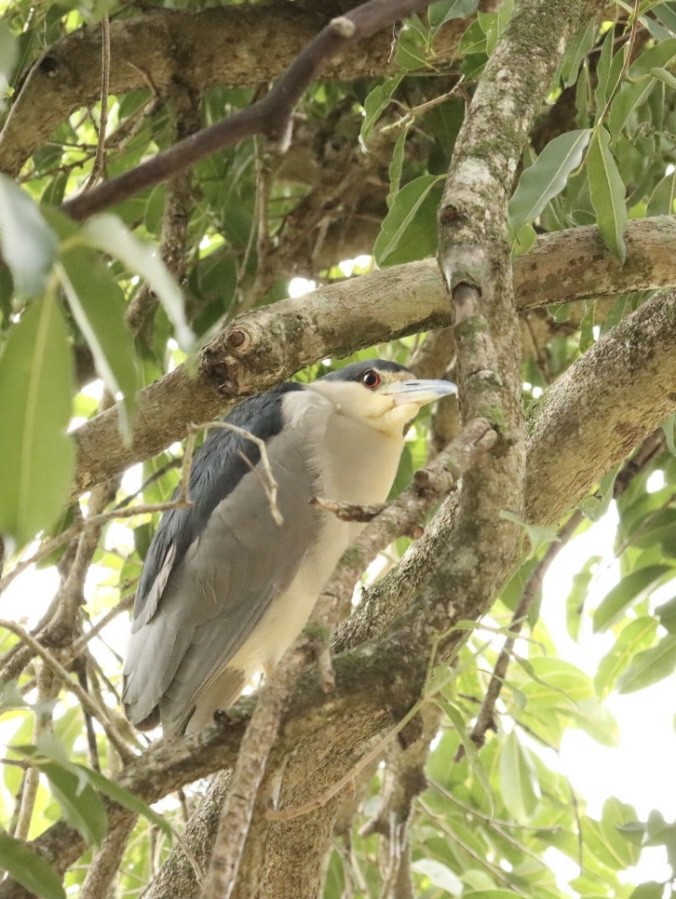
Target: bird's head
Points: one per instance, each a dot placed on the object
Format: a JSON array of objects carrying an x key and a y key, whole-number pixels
[{"x": 382, "y": 394}]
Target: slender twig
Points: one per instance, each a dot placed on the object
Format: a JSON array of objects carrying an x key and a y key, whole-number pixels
[
  {"x": 100, "y": 158},
  {"x": 269, "y": 116},
  {"x": 486, "y": 717},
  {"x": 72, "y": 652},
  {"x": 55, "y": 543},
  {"x": 268, "y": 480},
  {"x": 84, "y": 698}
]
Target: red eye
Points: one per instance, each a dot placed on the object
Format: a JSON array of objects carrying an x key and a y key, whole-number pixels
[{"x": 370, "y": 379}]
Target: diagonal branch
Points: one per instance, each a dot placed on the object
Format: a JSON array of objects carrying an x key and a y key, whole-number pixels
[
  {"x": 270, "y": 116},
  {"x": 636, "y": 364},
  {"x": 243, "y": 357},
  {"x": 150, "y": 47}
]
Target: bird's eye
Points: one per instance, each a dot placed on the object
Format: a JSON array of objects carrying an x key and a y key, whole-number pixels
[{"x": 370, "y": 379}]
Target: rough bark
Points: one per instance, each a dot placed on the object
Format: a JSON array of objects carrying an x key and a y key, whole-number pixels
[
  {"x": 374, "y": 684},
  {"x": 264, "y": 347},
  {"x": 234, "y": 46}
]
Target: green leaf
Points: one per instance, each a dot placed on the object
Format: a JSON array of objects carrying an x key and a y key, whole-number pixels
[
  {"x": 608, "y": 72},
  {"x": 649, "y": 890},
  {"x": 400, "y": 219},
  {"x": 630, "y": 589},
  {"x": 376, "y": 102},
  {"x": 662, "y": 198},
  {"x": 35, "y": 402},
  {"x": 80, "y": 804},
  {"x": 577, "y": 50},
  {"x": 28, "y": 244},
  {"x": 630, "y": 96},
  {"x": 411, "y": 46},
  {"x": 650, "y": 666},
  {"x": 656, "y": 57},
  {"x": 664, "y": 76},
  {"x": 397, "y": 165},
  {"x": 494, "y": 23},
  {"x": 445, "y": 10},
  {"x": 590, "y": 715},
  {"x": 8, "y": 58},
  {"x": 666, "y": 612},
  {"x": 98, "y": 307},
  {"x": 29, "y": 869},
  {"x": 538, "y": 535},
  {"x": 439, "y": 875},
  {"x": 522, "y": 240},
  {"x": 587, "y": 326},
  {"x": 666, "y": 13},
  {"x": 578, "y": 594},
  {"x": 547, "y": 176},
  {"x": 518, "y": 780},
  {"x": 107, "y": 233},
  {"x": 492, "y": 894},
  {"x": 594, "y": 507},
  {"x": 636, "y": 636},
  {"x": 669, "y": 428},
  {"x": 125, "y": 798},
  {"x": 607, "y": 193},
  {"x": 457, "y": 720}
]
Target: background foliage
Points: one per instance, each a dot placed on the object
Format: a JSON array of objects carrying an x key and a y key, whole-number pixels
[{"x": 93, "y": 304}]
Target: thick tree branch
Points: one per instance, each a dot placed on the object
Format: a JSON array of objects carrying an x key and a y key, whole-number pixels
[
  {"x": 269, "y": 116},
  {"x": 236, "y": 46},
  {"x": 474, "y": 557},
  {"x": 264, "y": 347},
  {"x": 635, "y": 365}
]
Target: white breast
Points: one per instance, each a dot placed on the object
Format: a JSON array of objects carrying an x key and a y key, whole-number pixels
[{"x": 362, "y": 465}]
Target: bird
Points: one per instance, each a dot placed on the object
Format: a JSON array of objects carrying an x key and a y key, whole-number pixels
[{"x": 225, "y": 588}]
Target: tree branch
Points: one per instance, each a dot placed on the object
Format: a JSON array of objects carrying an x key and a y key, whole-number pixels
[
  {"x": 636, "y": 366},
  {"x": 262, "y": 348},
  {"x": 155, "y": 44},
  {"x": 270, "y": 116}
]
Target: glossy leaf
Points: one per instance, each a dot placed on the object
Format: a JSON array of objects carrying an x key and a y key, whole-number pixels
[
  {"x": 577, "y": 50},
  {"x": 662, "y": 198},
  {"x": 439, "y": 875},
  {"x": 125, "y": 798},
  {"x": 649, "y": 890},
  {"x": 28, "y": 244},
  {"x": 547, "y": 176},
  {"x": 397, "y": 165},
  {"x": 29, "y": 869},
  {"x": 636, "y": 636},
  {"x": 35, "y": 401},
  {"x": 650, "y": 666},
  {"x": 578, "y": 595},
  {"x": 445, "y": 10},
  {"x": 608, "y": 73},
  {"x": 628, "y": 591},
  {"x": 107, "y": 232},
  {"x": 8, "y": 57},
  {"x": 492, "y": 894},
  {"x": 376, "y": 103},
  {"x": 401, "y": 218},
  {"x": 80, "y": 804},
  {"x": 98, "y": 308},
  {"x": 607, "y": 193},
  {"x": 518, "y": 783},
  {"x": 630, "y": 96},
  {"x": 656, "y": 57}
]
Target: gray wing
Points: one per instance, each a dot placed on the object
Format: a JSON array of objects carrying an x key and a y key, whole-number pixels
[{"x": 205, "y": 599}]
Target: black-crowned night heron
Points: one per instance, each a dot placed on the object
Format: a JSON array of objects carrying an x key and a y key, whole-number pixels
[{"x": 225, "y": 589}]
